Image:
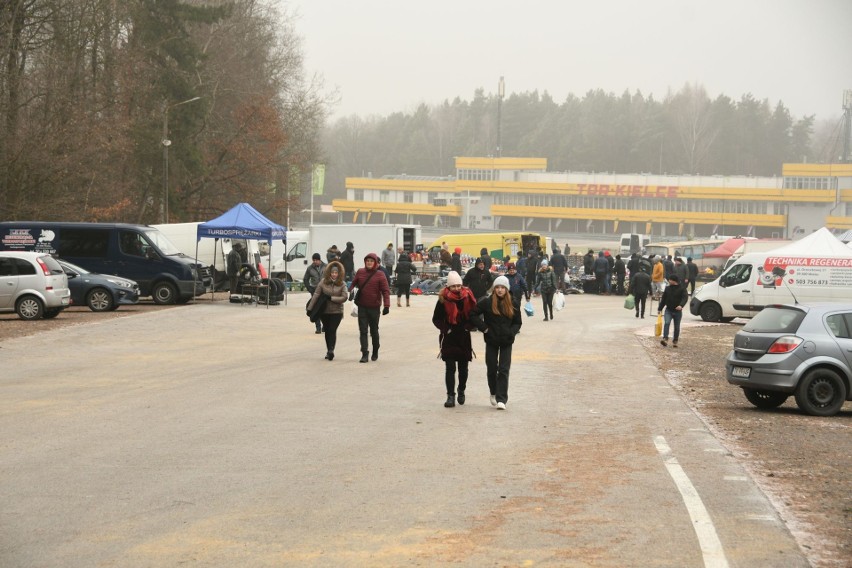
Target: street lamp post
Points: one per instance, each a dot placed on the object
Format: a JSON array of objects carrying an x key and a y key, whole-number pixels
[
  {"x": 164, "y": 202},
  {"x": 501, "y": 90}
]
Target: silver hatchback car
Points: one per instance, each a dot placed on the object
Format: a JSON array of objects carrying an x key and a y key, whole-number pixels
[
  {"x": 32, "y": 284},
  {"x": 800, "y": 350}
]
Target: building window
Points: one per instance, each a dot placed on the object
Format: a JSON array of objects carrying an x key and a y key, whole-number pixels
[
  {"x": 384, "y": 196},
  {"x": 408, "y": 197},
  {"x": 358, "y": 195}
]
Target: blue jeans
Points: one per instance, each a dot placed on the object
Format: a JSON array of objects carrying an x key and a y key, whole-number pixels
[{"x": 668, "y": 317}]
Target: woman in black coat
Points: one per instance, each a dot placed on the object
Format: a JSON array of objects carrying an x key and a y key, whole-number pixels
[
  {"x": 499, "y": 318},
  {"x": 404, "y": 271},
  {"x": 452, "y": 318}
]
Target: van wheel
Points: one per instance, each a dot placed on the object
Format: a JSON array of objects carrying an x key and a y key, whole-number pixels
[
  {"x": 29, "y": 308},
  {"x": 764, "y": 398},
  {"x": 99, "y": 300},
  {"x": 821, "y": 393},
  {"x": 164, "y": 293},
  {"x": 710, "y": 311}
]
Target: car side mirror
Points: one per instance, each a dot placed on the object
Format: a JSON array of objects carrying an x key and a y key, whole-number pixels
[{"x": 71, "y": 275}]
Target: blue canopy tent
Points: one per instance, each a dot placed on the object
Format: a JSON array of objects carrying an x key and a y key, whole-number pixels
[{"x": 242, "y": 222}]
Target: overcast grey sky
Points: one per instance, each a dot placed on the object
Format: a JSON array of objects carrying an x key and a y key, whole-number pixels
[{"x": 384, "y": 56}]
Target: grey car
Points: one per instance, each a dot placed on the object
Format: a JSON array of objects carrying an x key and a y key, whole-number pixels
[
  {"x": 33, "y": 285},
  {"x": 800, "y": 350}
]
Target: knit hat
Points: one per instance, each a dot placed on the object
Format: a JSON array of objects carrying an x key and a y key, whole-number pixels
[
  {"x": 453, "y": 278},
  {"x": 502, "y": 281},
  {"x": 458, "y": 250},
  {"x": 544, "y": 262},
  {"x": 510, "y": 266},
  {"x": 316, "y": 256}
]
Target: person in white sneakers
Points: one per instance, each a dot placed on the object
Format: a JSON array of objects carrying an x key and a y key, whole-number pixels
[{"x": 498, "y": 317}]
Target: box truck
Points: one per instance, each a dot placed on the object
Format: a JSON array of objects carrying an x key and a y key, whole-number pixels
[
  {"x": 301, "y": 245},
  {"x": 499, "y": 245}
]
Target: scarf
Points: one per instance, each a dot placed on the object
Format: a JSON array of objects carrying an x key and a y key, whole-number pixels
[{"x": 451, "y": 308}]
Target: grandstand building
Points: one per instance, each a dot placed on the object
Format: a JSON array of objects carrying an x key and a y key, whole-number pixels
[{"x": 520, "y": 194}]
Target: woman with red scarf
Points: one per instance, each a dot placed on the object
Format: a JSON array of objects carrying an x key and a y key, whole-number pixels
[{"x": 451, "y": 317}]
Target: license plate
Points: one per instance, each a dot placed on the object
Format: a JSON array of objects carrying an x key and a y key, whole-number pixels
[{"x": 742, "y": 372}]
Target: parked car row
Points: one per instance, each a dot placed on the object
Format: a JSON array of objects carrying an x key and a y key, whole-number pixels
[{"x": 36, "y": 285}]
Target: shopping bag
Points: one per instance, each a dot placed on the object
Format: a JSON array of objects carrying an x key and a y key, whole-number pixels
[
  {"x": 559, "y": 301},
  {"x": 354, "y": 312},
  {"x": 658, "y": 327},
  {"x": 528, "y": 309},
  {"x": 629, "y": 302}
]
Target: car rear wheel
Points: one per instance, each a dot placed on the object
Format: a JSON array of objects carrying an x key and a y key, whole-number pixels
[
  {"x": 99, "y": 300},
  {"x": 50, "y": 314},
  {"x": 29, "y": 308},
  {"x": 764, "y": 398},
  {"x": 164, "y": 293},
  {"x": 821, "y": 393},
  {"x": 710, "y": 311}
]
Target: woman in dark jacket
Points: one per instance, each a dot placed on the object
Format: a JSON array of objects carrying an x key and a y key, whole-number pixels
[
  {"x": 452, "y": 318},
  {"x": 404, "y": 271},
  {"x": 546, "y": 283},
  {"x": 333, "y": 286},
  {"x": 478, "y": 279},
  {"x": 499, "y": 318}
]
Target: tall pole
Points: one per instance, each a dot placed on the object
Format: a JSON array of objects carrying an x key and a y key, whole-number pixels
[
  {"x": 312, "y": 196},
  {"x": 164, "y": 202},
  {"x": 847, "y": 108},
  {"x": 501, "y": 90}
]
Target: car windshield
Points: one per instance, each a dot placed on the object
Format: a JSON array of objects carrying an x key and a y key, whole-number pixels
[
  {"x": 74, "y": 267},
  {"x": 162, "y": 242},
  {"x": 776, "y": 320}
]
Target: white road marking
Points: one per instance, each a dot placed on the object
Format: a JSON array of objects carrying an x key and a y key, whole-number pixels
[
  {"x": 708, "y": 540},
  {"x": 735, "y": 478}
]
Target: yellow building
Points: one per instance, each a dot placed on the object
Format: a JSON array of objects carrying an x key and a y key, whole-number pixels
[{"x": 520, "y": 194}]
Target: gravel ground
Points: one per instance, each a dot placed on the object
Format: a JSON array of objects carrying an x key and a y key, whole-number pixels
[{"x": 803, "y": 463}]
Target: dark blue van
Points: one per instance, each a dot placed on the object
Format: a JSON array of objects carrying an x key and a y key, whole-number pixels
[{"x": 137, "y": 252}]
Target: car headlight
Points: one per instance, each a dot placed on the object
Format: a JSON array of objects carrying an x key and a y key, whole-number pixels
[{"x": 122, "y": 283}]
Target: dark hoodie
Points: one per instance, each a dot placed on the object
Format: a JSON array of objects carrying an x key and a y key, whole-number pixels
[
  {"x": 404, "y": 270},
  {"x": 486, "y": 258},
  {"x": 347, "y": 260},
  {"x": 375, "y": 290}
]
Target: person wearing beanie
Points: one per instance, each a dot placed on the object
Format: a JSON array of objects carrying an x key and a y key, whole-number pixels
[
  {"x": 313, "y": 276},
  {"x": 486, "y": 258},
  {"x": 478, "y": 279},
  {"x": 452, "y": 318},
  {"x": 373, "y": 290},
  {"x": 674, "y": 299},
  {"x": 332, "y": 254},
  {"x": 546, "y": 283},
  {"x": 334, "y": 287},
  {"x": 498, "y": 317},
  {"x": 455, "y": 261},
  {"x": 517, "y": 284}
]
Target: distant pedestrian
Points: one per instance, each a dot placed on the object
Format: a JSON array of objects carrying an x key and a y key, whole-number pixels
[
  {"x": 640, "y": 287},
  {"x": 546, "y": 283},
  {"x": 455, "y": 261},
  {"x": 234, "y": 263},
  {"x": 348, "y": 261},
  {"x": 332, "y": 254},
  {"x": 478, "y": 279},
  {"x": 673, "y": 300},
  {"x": 620, "y": 272},
  {"x": 658, "y": 278},
  {"x": 452, "y": 315},
  {"x": 559, "y": 264},
  {"x": 517, "y": 285},
  {"x": 389, "y": 258},
  {"x": 486, "y": 258},
  {"x": 499, "y": 318},
  {"x": 405, "y": 270},
  {"x": 601, "y": 267},
  {"x": 692, "y": 274},
  {"x": 313, "y": 276}
]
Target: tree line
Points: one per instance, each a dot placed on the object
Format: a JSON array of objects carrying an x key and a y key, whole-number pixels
[
  {"x": 109, "y": 108},
  {"x": 685, "y": 133}
]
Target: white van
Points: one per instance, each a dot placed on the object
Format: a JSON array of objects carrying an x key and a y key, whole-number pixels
[
  {"x": 633, "y": 242},
  {"x": 759, "y": 279}
]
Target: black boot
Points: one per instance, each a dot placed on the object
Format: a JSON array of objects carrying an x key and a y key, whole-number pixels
[
  {"x": 451, "y": 401},
  {"x": 329, "y": 355},
  {"x": 461, "y": 397},
  {"x": 363, "y": 357},
  {"x": 375, "y": 354}
]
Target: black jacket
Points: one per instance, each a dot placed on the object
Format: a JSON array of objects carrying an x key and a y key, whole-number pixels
[
  {"x": 502, "y": 329},
  {"x": 455, "y": 263},
  {"x": 479, "y": 281},
  {"x": 404, "y": 270},
  {"x": 347, "y": 261},
  {"x": 674, "y": 296},
  {"x": 640, "y": 284},
  {"x": 558, "y": 262}
]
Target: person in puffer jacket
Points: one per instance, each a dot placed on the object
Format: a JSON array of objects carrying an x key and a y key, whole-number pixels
[
  {"x": 333, "y": 286},
  {"x": 452, "y": 318},
  {"x": 498, "y": 316},
  {"x": 373, "y": 290}
]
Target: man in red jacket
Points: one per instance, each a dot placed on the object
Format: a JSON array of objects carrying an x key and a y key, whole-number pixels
[{"x": 373, "y": 288}]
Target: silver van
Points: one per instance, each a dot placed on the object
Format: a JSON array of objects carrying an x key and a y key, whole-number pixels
[{"x": 33, "y": 285}]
